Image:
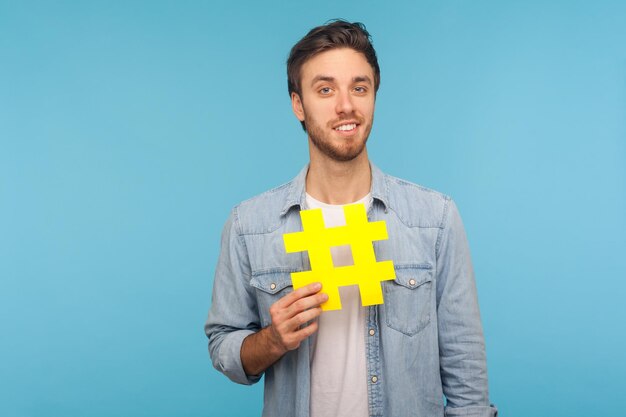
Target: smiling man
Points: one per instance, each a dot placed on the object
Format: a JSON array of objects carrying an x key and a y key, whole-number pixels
[{"x": 396, "y": 359}]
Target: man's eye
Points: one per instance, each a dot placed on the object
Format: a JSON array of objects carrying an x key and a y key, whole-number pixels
[
  {"x": 325, "y": 90},
  {"x": 360, "y": 89}
]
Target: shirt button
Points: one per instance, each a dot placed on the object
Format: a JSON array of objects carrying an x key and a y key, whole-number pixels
[
  {"x": 411, "y": 282},
  {"x": 374, "y": 379},
  {"x": 272, "y": 286},
  {"x": 372, "y": 332}
]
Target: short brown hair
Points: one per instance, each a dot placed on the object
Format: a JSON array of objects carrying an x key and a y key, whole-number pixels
[{"x": 335, "y": 34}]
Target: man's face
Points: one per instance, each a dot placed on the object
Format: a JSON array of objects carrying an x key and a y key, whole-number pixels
[{"x": 337, "y": 102}]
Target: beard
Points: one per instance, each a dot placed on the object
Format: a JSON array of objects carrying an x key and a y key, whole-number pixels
[{"x": 338, "y": 149}]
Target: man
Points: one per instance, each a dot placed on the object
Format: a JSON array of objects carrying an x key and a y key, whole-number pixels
[{"x": 395, "y": 359}]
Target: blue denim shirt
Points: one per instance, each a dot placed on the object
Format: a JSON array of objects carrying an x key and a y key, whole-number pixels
[{"x": 424, "y": 342}]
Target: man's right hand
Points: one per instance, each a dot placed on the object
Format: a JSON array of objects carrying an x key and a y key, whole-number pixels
[
  {"x": 291, "y": 312},
  {"x": 260, "y": 350}
]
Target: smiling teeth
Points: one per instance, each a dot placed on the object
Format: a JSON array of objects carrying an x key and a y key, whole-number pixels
[{"x": 346, "y": 127}]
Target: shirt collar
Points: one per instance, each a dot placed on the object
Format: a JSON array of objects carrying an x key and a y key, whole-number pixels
[
  {"x": 296, "y": 194},
  {"x": 380, "y": 188}
]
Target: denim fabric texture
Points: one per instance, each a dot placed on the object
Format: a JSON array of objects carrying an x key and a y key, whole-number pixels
[{"x": 425, "y": 342}]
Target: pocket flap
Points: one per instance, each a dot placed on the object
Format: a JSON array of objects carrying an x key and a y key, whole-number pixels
[
  {"x": 272, "y": 282},
  {"x": 412, "y": 276}
]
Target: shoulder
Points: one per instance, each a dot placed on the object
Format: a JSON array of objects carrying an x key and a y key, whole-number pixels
[
  {"x": 262, "y": 213},
  {"x": 416, "y": 205}
]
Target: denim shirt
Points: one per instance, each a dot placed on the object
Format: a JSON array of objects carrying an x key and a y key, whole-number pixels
[{"x": 424, "y": 342}]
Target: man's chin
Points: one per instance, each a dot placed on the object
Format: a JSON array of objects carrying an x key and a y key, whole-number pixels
[
  {"x": 342, "y": 155},
  {"x": 341, "y": 149}
]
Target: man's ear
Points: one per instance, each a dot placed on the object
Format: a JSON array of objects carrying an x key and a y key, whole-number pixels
[{"x": 296, "y": 106}]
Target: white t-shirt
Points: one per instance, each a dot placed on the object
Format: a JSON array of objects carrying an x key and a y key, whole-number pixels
[{"x": 338, "y": 367}]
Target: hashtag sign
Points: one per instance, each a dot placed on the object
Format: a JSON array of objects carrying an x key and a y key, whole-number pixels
[{"x": 359, "y": 234}]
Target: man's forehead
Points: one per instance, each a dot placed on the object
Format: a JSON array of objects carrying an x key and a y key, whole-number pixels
[{"x": 340, "y": 64}]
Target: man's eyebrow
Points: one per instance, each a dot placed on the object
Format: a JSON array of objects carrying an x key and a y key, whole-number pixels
[
  {"x": 361, "y": 79},
  {"x": 322, "y": 78},
  {"x": 327, "y": 78}
]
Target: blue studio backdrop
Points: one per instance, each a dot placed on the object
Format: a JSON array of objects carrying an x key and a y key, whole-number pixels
[{"x": 128, "y": 130}]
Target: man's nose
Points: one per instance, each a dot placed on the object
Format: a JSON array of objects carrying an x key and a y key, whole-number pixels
[{"x": 344, "y": 103}]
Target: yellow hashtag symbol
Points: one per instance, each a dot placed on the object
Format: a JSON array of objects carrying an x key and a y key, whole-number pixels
[{"x": 359, "y": 234}]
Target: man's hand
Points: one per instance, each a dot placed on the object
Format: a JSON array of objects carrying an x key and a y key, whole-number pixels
[
  {"x": 291, "y": 312},
  {"x": 260, "y": 350}
]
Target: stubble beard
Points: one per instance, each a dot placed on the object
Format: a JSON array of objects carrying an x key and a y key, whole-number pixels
[{"x": 345, "y": 152}]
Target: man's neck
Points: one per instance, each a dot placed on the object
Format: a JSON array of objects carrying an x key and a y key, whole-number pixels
[{"x": 334, "y": 182}]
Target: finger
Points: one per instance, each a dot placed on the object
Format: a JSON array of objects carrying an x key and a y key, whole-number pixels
[
  {"x": 306, "y": 303},
  {"x": 294, "y": 296},
  {"x": 305, "y": 332},
  {"x": 304, "y": 317}
]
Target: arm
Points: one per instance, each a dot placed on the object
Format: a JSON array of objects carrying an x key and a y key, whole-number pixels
[
  {"x": 461, "y": 342},
  {"x": 237, "y": 346},
  {"x": 234, "y": 313}
]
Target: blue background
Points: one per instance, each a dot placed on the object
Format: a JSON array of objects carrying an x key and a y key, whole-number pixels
[{"x": 129, "y": 129}]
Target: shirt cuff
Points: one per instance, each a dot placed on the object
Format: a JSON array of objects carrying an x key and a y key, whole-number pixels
[
  {"x": 230, "y": 358},
  {"x": 472, "y": 411}
]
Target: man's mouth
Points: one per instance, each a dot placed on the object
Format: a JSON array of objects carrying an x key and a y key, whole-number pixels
[{"x": 346, "y": 128}]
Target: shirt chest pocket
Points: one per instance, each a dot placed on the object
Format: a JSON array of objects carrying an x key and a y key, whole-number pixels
[
  {"x": 408, "y": 299},
  {"x": 270, "y": 287}
]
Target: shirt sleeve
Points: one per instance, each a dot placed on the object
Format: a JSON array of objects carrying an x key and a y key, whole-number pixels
[
  {"x": 461, "y": 342},
  {"x": 234, "y": 313}
]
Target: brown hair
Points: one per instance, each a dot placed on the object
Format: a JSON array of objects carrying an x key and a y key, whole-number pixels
[{"x": 335, "y": 34}]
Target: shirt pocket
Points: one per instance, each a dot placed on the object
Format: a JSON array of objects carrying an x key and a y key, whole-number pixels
[
  {"x": 270, "y": 287},
  {"x": 408, "y": 299}
]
